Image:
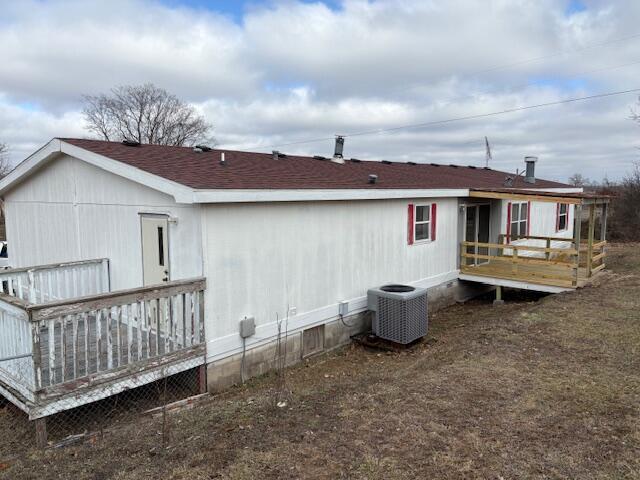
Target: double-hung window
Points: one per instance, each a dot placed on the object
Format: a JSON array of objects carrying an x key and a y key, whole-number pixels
[
  {"x": 563, "y": 217},
  {"x": 422, "y": 226},
  {"x": 519, "y": 220}
]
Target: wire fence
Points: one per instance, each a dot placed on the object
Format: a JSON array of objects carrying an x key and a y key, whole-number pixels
[{"x": 67, "y": 423}]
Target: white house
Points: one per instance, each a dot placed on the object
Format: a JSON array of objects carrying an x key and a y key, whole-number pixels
[{"x": 278, "y": 237}]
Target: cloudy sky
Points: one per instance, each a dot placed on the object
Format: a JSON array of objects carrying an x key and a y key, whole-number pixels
[{"x": 272, "y": 73}]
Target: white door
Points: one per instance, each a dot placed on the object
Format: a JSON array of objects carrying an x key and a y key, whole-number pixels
[{"x": 155, "y": 249}]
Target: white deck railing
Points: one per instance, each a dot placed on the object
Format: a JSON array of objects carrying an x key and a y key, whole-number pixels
[
  {"x": 59, "y": 281},
  {"x": 59, "y": 355},
  {"x": 16, "y": 346},
  {"x": 123, "y": 332}
]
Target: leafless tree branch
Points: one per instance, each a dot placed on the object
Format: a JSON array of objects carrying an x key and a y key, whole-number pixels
[
  {"x": 147, "y": 114},
  {"x": 5, "y": 166}
]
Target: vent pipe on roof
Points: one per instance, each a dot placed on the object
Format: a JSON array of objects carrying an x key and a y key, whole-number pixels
[
  {"x": 373, "y": 178},
  {"x": 275, "y": 154},
  {"x": 222, "y": 159},
  {"x": 530, "y": 174},
  {"x": 339, "y": 148}
]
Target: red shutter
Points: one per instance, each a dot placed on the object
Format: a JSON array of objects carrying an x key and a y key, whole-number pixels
[
  {"x": 508, "y": 222},
  {"x": 557, "y": 217},
  {"x": 528, "y": 218},
  {"x": 410, "y": 224},
  {"x": 433, "y": 221}
]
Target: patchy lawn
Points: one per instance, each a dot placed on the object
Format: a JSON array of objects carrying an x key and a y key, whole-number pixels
[{"x": 543, "y": 387}]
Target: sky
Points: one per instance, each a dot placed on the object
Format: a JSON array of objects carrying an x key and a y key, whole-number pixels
[{"x": 273, "y": 74}]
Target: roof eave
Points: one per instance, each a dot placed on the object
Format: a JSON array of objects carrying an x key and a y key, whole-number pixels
[
  {"x": 181, "y": 193},
  {"x": 298, "y": 195}
]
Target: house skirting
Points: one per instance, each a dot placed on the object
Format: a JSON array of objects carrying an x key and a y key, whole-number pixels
[{"x": 294, "y": 347}]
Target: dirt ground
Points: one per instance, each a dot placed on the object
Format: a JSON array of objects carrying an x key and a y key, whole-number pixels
[{"x": 542, "y": 387}]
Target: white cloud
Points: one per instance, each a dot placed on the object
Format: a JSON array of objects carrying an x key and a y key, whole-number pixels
[{"x": 292, "y": 71}]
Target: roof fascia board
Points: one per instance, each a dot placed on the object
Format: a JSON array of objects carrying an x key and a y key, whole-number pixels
[
  {"x": 30, "y": 165},
  {"x": 525, "y": 196},
  {"x": 245, "y": 196},
  {"x": 559, "y": 190},
  {"x": 181, "y": 193}
]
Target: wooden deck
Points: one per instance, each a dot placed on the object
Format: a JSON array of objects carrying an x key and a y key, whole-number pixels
[
  {"x": 551, "y": 275},
  {"x": 79, "y": 350},
  {"x": 526, "y": 266}
]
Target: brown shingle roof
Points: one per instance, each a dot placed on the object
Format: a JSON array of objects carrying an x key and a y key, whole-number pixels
[{"x": 246, "y": 170}]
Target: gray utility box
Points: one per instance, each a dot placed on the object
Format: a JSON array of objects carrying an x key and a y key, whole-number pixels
[{"x": 400, "y": 312}]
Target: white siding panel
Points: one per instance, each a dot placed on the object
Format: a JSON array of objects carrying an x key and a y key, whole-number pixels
[
  {"x": 262, "y": 259},
  {"x": 74, "y": 211}
]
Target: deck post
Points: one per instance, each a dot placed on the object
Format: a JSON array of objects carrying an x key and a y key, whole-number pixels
[
  {"x": 498, "y": 300},
  {"x": 202, "y": 378},
  {"x": 547, "y": 254},
  {"x": 603, "y": 229},
  {"x": 577, "y": 233},
  {"x": 592, "y": 226},
  {"x": 41, "y": 432},
  {"x": 603, "y": 223}
]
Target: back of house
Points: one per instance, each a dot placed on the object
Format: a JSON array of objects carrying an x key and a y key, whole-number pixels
[{"x": 291, "y": 243}]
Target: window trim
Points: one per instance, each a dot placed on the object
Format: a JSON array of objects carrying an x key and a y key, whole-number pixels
[
  {"x": 520, "y": 221},
  {"x": 429, "y": 208},
  {"x": 560, "y": 214}
]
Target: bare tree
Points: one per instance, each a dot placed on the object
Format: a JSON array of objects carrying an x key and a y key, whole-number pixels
[
  {"x": 5, "y": 166},
  {"x": 147, "y": 114},
  {"x": 625, "y": 216},
  {"x": 578, "y": 180}
]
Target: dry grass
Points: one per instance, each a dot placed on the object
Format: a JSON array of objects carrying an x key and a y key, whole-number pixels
[{"x": 539, "y": 388}]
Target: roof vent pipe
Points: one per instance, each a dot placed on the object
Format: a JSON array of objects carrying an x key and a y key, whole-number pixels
[
  {"x": 530, "y": 174},
  {"x": 373, "y": 178},
  {"x": 337, "y": 152},
  {"x": 275, "y": 154},
  {"x": 222, "y": 159}
]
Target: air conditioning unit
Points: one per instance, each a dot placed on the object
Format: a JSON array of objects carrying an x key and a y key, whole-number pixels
[{"x": 400, "y": 312}]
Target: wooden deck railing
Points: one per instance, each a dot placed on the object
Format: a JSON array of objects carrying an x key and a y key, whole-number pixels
[
  {"x": 16, "y": 346},
  {"x": 53, "y": 349},
  {"x": 118, "y": 331},
  {"x": 59, "y": 281},
  {"x": 551, "y": 266},
  {"x": 554, "y": 266}
]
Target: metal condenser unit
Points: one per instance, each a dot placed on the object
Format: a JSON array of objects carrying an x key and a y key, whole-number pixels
[{"x": 400, "y": 312}]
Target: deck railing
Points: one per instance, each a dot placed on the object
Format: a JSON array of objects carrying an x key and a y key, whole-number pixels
[
  {"x": 16, "y": 346},
  {"x": 51, "y": 350},
  {"x": 59, "y": 281},
  {"x": 554, "y": 265},
  {"x": 122, "y": 332}
]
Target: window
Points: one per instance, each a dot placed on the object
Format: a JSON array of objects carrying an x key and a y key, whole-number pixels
[
  {"x": 519, "y": 220},
  {"x": 161, "y": 246},
  {"x": 563, "y": 217},
  {"x": 422, "y": 229}
]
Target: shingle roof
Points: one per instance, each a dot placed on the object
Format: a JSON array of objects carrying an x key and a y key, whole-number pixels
[{"x": 246, "y": 170}]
